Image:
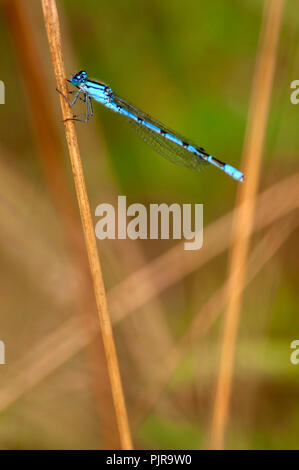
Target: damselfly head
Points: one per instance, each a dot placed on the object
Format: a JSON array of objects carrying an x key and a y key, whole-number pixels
[{"x": 79, "y": 77}]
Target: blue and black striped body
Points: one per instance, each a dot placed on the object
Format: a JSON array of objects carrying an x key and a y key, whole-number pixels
[{"x": 167, "y": 142}]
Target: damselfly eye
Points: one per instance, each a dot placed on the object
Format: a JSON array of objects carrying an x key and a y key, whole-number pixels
[
  {"x": 79, "y": 77},
  {"x": 82, "y": 75}
]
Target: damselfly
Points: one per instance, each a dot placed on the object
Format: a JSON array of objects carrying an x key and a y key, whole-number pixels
[{"x": 168, "y": 143}]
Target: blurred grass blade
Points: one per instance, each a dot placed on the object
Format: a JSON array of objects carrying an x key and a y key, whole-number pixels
[{"x": 243, "y": 221}]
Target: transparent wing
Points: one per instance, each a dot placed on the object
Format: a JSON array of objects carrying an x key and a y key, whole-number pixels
[{"x": 170, "y": 150}]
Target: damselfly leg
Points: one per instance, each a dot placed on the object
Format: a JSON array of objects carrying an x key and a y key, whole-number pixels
[{"x": 86, "y": 99}]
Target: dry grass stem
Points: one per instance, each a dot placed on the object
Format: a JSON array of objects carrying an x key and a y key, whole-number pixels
[
  {"x": 51, "y": 156},
  {"x": 54, "y": 38}
]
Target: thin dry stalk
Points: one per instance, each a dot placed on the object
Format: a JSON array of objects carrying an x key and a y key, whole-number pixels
[
  {"x": 243, "y": 223},
  {"x": 51, "y": 155},
  {"x": 54, "y": 38}
]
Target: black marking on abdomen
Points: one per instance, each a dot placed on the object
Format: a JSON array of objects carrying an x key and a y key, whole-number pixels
[{"x": 219, "y": 162}]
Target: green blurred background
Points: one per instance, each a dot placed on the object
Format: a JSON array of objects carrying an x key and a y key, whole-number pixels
[{"x": 189, "y": 64}]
